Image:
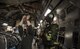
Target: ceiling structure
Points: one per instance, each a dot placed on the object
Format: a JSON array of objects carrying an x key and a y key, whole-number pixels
[
  {"x": 12, "y": 2},
  {"x": 12, "y": 10}
]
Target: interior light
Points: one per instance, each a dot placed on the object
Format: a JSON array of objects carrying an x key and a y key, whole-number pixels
[
  {"x": 39, "y": 24},
  {"x": 55, "y": 18},
  {"x": 5, "y": 24},
  {"x": 58, "y": 11},
  {"x": 47, "y": 12},
  {"x": 68, "y": 35},
  {"x": 41, "y": 21}
]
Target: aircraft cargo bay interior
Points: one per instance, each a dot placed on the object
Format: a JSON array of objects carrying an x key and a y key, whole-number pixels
[{"x": 39, "y": 24}]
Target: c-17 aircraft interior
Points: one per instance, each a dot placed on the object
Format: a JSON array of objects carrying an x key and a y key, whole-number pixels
[{"x": 39, "y": 24}]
